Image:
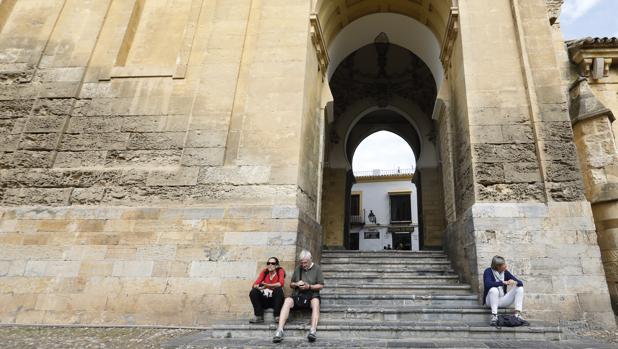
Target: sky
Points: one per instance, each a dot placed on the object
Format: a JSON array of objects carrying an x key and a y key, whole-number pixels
[
  {"x": 579, "y": 19},
  {"x": 383, "y": 150},
  {"x": 582, "y": 18}
]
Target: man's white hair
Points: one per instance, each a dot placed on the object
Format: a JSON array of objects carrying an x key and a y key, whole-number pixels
[{"x": 304, "y": 254}]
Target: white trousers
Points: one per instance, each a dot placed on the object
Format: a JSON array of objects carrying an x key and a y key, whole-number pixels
[{"x": 514, "y": 297}]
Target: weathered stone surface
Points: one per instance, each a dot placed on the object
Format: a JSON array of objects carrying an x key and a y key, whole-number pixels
[
  {"x": 45, "y": 124},
  {"x": 563, "y": 171},
  {"x": 89, "y": 124},
  {"x": 182, "y": 177},
  {"x": 16, "y": 108},
  {"x": 80, "y": 158},
  {"x": 32, "y": 159},
  {"x": 511, "y": 192},
  {"x": 143, "y": 157},
  {"x": 39, "y": 196},
  {"x": 39, "y": 141},
  {"x": 202, "y": 157},
  {"x": 60, "y": 106},
  {"x": 504, "y": 152},
  {"x": 235, "y": 175},
  {"x": 95, "y": 141},
  {"x": 156, "y": 140}
]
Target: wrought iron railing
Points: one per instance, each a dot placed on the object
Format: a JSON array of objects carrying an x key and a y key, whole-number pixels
[{"x": 384, "y": 173}]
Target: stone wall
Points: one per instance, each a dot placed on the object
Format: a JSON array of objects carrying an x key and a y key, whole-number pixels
[
  {"x": 553, "y": 248},
  {"x": 151, "y": 156},
  {"x": 333, "y": 206},
  {"x": 432, "y": 207},
  {"x": 523, "y": 154}
]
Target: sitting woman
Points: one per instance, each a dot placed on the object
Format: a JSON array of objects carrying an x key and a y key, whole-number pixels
[
  {"x": 267, "y": 291},
  {"x": 496, "y": 279}
]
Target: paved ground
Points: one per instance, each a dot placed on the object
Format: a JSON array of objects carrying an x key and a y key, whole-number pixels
[
  {"x": 134, "y": 338},
  {"x": 85, "y": 338}
]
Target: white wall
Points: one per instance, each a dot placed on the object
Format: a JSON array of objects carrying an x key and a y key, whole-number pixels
[{"x": 375, "y": 197}]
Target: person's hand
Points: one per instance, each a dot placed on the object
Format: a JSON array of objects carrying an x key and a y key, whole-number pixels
[
  {"x": 300, "y": 284},
  {"x": 305, "y": 286}
]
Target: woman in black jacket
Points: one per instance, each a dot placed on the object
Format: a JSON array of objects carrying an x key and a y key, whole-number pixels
[{"x": 496, "y": 279}]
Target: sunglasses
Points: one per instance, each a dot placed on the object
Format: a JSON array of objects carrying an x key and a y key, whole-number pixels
[{"x": 271, "y": 263}]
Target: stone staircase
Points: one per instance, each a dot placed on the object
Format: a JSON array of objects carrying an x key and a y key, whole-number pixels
[{"x": 390, "y": 295}]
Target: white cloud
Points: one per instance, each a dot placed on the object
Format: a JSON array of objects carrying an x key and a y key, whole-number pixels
[
  {"x": 383, "y": 150},
  {"x": 574, "y": 9}
]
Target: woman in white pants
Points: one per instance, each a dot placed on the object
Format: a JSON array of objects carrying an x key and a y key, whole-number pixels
[{"x": 496, "y": 279}]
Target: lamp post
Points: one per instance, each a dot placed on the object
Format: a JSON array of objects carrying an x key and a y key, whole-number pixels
[{"x": 372, "y": 217}]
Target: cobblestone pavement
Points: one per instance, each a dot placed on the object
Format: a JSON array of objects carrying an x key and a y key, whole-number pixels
[
  {"x": 149, "y": 338},
  {"x": 86, "y": 338}
]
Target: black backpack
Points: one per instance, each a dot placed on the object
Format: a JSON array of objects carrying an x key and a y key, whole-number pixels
[{"x": 511, "y": 321}]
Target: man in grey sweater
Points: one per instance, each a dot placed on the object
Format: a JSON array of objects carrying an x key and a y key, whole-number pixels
[{"x": 307, "y": 281}]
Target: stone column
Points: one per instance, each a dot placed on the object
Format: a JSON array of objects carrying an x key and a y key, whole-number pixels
[
  {"x": 528, "y": 200},
  {"x": 599, "y": 161}
]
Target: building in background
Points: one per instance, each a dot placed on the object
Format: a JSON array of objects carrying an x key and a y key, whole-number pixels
[{"x": 384, "y": 211}]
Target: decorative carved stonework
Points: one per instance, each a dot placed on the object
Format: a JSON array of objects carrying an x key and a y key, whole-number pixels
[
  {"x": 449, "y": 38},
  {"x": 381, "y": 72},
  {"x": 594, "y": 56},
  {"x": 317, "y": 38}
]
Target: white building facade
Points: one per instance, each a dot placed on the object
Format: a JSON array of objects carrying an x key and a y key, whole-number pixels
[{"x": 384, "y": 211}]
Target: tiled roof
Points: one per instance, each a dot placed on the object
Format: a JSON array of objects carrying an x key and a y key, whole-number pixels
[{"x": 591, "y": 42}]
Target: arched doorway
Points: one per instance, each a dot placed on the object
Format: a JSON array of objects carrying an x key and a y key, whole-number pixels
[
  {"x": 383, "y": 203},
  {"x": 382, "y": 84}
]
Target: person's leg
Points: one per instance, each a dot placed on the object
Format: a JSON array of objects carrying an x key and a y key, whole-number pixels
[
  {"x": 257, "y": 301},
  {"x": 515, "y": 297},
  {"x": 285, "y": 311},
  {"x": 277, "y": 301},
  {"x": 315, "y": 313},
  {"x": 283, "y": 317},
  {"x": 519, "y": 300},
  {"x": 493, "y": 299},
  {"x": 315, "y": 316}
]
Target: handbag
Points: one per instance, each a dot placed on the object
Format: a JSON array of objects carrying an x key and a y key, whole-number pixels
[
  {"x": 510, "y": 321},
  {"x": 303, "y": 298}
]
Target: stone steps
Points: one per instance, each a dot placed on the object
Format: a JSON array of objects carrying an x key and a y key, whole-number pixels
[
  {"x": 387, "y": 296},
  {"x": 381, "y": 253},
  {"x": 387, "y": 300},
  {"x": 382, "y": 261},
  {"x": 391, "y": 330},
  {"x": 202, "y": 340},
  {"x": 389, "y": 269},
  {"x": 335, "y": 279},
  {"x": 467, "y": 314},
  {"x": 384, "y": 288}
]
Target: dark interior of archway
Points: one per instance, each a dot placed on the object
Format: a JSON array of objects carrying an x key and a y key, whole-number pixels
[
  {"x": 383, "y": 120},
  {"x": 381, "y": 72}
]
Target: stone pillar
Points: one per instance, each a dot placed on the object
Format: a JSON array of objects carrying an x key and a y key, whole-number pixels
[
  {"x": 333, "y": 206},
  {"x": 528, "y": 200},
  {"x": 599, "y": 161},
  {"x": 432, "y": 207}
]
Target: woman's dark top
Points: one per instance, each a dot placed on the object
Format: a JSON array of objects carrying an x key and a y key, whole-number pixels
[{"x": 489, "y": 281}]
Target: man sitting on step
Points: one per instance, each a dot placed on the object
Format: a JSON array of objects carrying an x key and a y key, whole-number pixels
[
  {"x": 496, "y": 279},
  {"x": 307, "y": 281}
]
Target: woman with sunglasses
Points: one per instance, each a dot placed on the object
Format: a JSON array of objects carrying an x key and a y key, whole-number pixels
[{"x": 267, "y": 291}]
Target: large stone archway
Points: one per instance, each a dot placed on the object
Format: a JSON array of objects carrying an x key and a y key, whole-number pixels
[
  {"x": 135, "y": 172},
  {"x": 510, "y": 184}
]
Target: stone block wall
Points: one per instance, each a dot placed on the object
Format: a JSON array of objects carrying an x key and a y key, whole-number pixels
[
  {"x": 528, "y": 201},
  {"x": 553, "y": 248},
  {"x": 146, "y": 265},
  {"x": 151, "y": 154}
]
